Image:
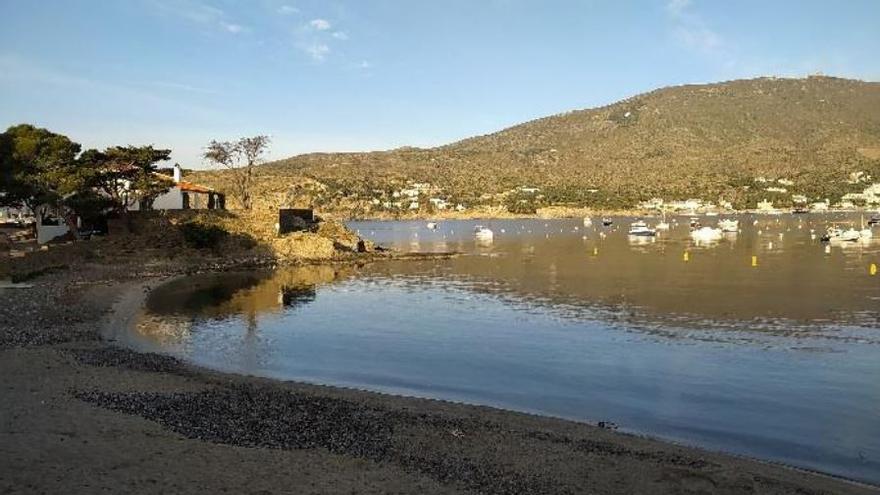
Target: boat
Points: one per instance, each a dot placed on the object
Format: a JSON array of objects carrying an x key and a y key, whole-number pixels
[
  {"x": 800, "y": 210},
  {"x": 874, "y": 220},
  {"x": 866, "y": 232},
  {"x": 695, "y": 222},
  {"x": 483, "y": 233},
  {"x": 835, "y": 233},
  {"x": 432, "y": 225},
  {"x": 640, "y": 228},
  {"x": 662, "y": 225},
  {"x": 705, "y": 234},
  {"x": 728, "y": 226},
  {"x": 588, "y": 221},
  {"x": 607, "y": 222},
  {"x": 831, "y": 233}
]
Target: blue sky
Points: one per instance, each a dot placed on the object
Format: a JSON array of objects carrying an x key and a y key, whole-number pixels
[{"x": 377, "y": 74}]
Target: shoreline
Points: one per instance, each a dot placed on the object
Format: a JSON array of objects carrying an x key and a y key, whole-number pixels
[
  {"x": 489, "y": 214},
  {"x": 349, "y": 439}
]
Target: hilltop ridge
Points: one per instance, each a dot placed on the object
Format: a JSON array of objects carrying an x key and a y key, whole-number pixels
[{"x": 708, "y": 141}]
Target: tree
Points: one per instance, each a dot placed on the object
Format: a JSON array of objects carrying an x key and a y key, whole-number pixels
[
  {"x": 240, "y": 157},
  {"x": 36, "y": 168},
  {"x": 125, "y": 175}
]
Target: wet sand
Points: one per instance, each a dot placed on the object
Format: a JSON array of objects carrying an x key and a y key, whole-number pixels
[{"x": 82, "y": 415}]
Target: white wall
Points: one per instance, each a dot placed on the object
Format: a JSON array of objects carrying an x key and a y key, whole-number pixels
[
  {"x": 46, "y": 233},
  {"x": 171, "y": 200}
]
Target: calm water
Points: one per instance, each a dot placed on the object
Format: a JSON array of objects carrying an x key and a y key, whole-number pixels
[{"x": 779, "y": 361}]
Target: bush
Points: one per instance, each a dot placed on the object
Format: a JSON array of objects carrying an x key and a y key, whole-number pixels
[{"x": 201, "y": 236}]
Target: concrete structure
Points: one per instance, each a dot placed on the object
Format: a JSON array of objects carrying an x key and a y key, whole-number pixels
[
  {"x": 52, "y": 229},
  {"x": 294, "y": 219}
]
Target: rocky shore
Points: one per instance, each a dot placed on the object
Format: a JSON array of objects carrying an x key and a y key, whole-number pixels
[{"x": 82, "y": 415}]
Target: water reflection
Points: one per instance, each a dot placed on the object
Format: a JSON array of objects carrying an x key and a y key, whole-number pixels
[
  {"x": 174, "y": 308},
  {"x": 769, "y": 274},
  {"x": 769, "y": 350}
]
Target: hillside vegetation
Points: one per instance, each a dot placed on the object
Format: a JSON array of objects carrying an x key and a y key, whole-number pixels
[{"x": 696, "y": 141}]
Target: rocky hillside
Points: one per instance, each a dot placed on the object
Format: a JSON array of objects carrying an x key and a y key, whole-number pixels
[{"x": 702, "y": 141}]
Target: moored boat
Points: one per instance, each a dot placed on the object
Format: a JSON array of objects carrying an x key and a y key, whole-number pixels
[
  {"x": 483, "y": 233},
  {"x": 728, "y": 225},
  {"x": 705, "y": 234},
  {"x": 640, "y": 228}
]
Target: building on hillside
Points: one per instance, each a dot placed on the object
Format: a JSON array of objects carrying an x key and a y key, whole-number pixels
[
  {"x": 184, "y": 195},
  {"x": 766, "y": 206}
]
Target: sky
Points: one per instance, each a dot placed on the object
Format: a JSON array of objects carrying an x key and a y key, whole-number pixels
[{"x": 361, "y": 75}]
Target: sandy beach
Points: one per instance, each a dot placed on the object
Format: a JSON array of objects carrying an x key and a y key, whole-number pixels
[{"x": 81, "y": 414}]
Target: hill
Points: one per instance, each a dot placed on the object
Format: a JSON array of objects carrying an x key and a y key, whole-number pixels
[{"x": 725, "y": 141}]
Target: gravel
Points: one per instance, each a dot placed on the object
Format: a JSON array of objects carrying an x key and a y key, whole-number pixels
[{"x": 267, "y": 417}]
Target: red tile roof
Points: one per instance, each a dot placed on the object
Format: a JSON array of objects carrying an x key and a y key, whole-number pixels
[{"x": 186, "y": 186}]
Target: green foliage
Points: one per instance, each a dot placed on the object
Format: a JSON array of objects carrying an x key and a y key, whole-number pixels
[
  {"x": 125, "y": 174},
  {"x": 38, "y": 166},
  {"x": 203, "y": 236}
]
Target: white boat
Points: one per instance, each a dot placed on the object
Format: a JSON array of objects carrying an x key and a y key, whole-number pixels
[
  {"x": 662, "y": 225},
  {"x": 706, "y": 234},
  {"x": 640, "y": 228},
  {"x": 588, "y": 221},
  {"x": 728, "y": 225},
  {"x": 834, "y": 233},
  {"x": 831, "y": 233},
  {"x": 850, "y": 235},
  {"x": 483, "y": 234},
  {"x": 432, "y": 225}
]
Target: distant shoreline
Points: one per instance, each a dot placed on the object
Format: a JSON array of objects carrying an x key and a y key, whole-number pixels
[{"x": 554, "y": 213}]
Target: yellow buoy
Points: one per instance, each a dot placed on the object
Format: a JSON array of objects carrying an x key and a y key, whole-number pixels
[
  {"x": 754, "y": 261},
  {"x": 873, "y": 269},
  {"x": 686, "y": 256}
]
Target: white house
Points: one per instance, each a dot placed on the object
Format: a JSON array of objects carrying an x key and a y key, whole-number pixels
[{"x": 185, "y": 195}]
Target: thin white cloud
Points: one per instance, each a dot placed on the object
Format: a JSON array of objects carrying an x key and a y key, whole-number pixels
[
  {"x": 183, "y": 87},
  {"x": 288, "y": 10},
  {"x": 340, "y": 35},
  {"x": 364, "y": 65},
  {"x": 318, "y": 51},
  {"x": 319, "y": 24},
  {"x": 199, "y": 13},
  {"x": 699, "y": 38},
  {"x": 691, "y": 31},
  {"x": 232, "y": 28},
  {"x": 18, "y": 70},
  {"x": 676, "y": 7}
]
